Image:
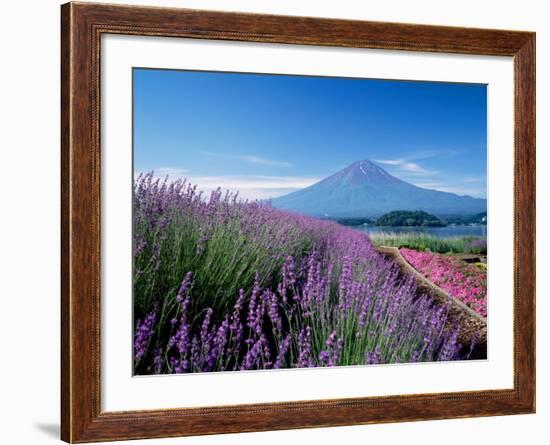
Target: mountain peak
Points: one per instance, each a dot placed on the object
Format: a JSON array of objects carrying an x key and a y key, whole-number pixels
[
  {"x": 361, "y": 172},
  {"x": 365, "y": 189},
  {"x": 367, "y": 166},
  {"x": 364, "y": 163}
]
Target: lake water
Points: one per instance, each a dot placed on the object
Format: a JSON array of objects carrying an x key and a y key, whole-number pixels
[{"x": 440, "y": 232}]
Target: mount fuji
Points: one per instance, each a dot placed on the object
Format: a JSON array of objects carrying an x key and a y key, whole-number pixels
[{"x": 364, "y": 189}]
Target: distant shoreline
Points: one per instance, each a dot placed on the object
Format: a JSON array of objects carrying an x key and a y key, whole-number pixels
[{"x": 449, "y": 232}]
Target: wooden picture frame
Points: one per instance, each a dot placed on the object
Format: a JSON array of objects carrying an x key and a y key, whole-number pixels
[{"x": 82, "y": 25}]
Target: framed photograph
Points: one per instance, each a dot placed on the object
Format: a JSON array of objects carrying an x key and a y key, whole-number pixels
[{"x": 274, "y": 222}]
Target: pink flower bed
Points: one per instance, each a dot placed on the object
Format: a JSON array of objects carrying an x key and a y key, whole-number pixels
[{"x": 465, "y": 282}]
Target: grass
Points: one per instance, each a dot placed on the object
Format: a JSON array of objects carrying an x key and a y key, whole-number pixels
[{"x": 427, "y": 242}]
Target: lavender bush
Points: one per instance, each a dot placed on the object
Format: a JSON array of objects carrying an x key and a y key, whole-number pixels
[{"x": 223, "y": 284}]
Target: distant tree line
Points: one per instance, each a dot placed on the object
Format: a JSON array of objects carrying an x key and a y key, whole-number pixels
[
  {"x": 408, "y": 218},
  {"x": 414, "y": 218},
  {"x": 356, "y": 221},
  {"x": 478, "y": 218}
]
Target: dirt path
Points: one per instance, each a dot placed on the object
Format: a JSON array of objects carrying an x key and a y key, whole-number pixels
[{"x": 472, "y": 324}]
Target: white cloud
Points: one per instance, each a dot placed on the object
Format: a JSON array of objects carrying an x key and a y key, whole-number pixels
[
  {"x": 252, "y": 159},
  {"x": 413, "y": 172},
  {"x": 264, "y": 161},
  {"x": 249, "y": 187},
  {"x": 254, "y": 187},
  {"x": 404, "y": 165},
  {"x": 432, "y": 153},
  {"x": 171, "y": 172}
]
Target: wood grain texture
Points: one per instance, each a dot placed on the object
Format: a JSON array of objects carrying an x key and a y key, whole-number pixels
[{"x": 81, "y": 28}]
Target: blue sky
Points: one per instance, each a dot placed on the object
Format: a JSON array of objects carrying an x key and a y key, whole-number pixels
[{"x": 268, "y": 135}]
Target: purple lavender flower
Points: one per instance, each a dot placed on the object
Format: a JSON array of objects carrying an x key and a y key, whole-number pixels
[
  {"x": 304, "y": 348},
  {"x": 206, "y": 324},
  {"x": 450, "y": 347},
  {"x": 144, "y": 332},
  {"x": 285, "y": 346},
  {"x": 235, "y": 326},
  {"x": 196, "y": 354},
  {"x": 253, "y": 305},
  {"x": 273, "y": 312},
  {"x": 373, "y": 357},
  {"x": 330, "y": 356},
  {"x": 251, "y": 360},
  {"x": 217, "y": 352},
  {"x": 185, "y": 285},
  {"x": 157, "y": 361}
]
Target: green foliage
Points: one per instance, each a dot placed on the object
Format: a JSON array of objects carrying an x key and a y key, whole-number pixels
[
  {"x": 408, "y": 218},
  {"x": 424, "y": 241}
]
